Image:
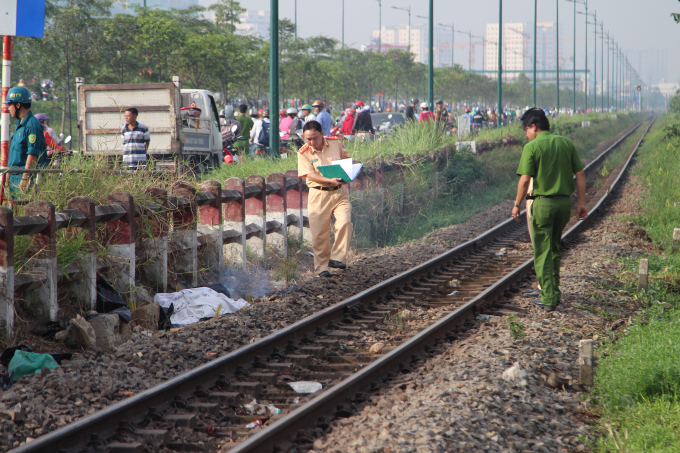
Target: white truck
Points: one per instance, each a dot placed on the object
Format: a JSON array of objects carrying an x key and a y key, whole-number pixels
[{"x": 183, "y": 123}]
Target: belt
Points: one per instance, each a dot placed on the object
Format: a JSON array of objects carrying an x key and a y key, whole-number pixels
[
  {"x": 557, "y": 197},
  {"x": 328, "y": 189}
]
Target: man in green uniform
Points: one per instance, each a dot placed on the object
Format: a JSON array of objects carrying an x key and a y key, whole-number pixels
[
  {"x": 27, "y": 147},
  {"x": 247, "y": 124},
  {"x": 552, "y": 161}
]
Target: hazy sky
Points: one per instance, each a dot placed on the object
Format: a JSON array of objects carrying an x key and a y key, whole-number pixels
[{"x": 643, "y": 29}]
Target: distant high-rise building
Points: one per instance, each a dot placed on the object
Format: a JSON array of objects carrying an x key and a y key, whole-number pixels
[
  {"x": 518, "y": 48},
  {"x": 398, "y": 37},
  {"x": 254, "y": 23}
]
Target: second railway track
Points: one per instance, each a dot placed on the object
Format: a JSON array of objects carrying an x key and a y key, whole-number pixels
[{"x": 203, "y": 409}]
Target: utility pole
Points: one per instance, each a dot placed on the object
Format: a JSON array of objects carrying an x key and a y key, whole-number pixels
[
  {"x": 535, "y": 39},
  {"x": 379, "y": 26},
  {"x": 602, "y": 65},
  {"x": 295, "y": 20},
  {"x": 408, "y": 10},
  {"x": 430, "y": 66},
  {"x": 343, "y": 23},
  {"x": 274, "y": 77},
  {"x": 557, "y": 41},
  {"x": 500, "y": 63},
  {"x": 453, "y": 33},
  {"x": 469, "y": 33}
]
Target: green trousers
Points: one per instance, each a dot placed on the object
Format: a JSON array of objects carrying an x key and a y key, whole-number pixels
[{"x": 549, "y": 216}]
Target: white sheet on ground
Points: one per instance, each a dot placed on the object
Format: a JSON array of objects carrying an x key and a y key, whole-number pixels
[{"x": 191, "y": 305}]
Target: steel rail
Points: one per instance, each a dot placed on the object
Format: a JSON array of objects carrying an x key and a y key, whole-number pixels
[
  {"x": 280, "y": 433},
  {"x": 107, "y": 420}
]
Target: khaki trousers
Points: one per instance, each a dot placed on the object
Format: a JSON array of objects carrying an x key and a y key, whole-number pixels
[{"x": 321, "y": 205}]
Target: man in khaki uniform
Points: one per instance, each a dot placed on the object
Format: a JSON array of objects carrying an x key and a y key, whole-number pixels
[{"x": 327, "y": 197}]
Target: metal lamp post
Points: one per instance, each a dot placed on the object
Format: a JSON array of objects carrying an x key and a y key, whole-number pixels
[
  {"x": 469, "y": 33},
  {"x": 583, "y": 2},
  {"x": 500, "y": 63},
  {"x": 557, "y": 66},
  {"x": 274, "y": 76},
  {"x": 453, "y": 33},
  {"x": 408, "y": 10},
  {"x": 594, "y": 24},
  {"x": 379, "y": 26},
  {"x": 602, "y": 65},
  {"x": 535, "y": 39}
]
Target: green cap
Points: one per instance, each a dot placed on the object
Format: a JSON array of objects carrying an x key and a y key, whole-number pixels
[
  {"x": 19, "y": 94},
  {"x": 306, "y": 107}
]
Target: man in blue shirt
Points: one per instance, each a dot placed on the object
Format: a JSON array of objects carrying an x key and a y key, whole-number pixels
[
  {"x": 323, "y": 117},
  {"x": 27, "y": 147}
]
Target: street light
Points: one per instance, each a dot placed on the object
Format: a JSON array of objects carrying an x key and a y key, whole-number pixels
[
  {"x": 500, "y": 64},
  {"x": 452, "y": 38},
  {"x": 594, "y": 24},
  {"x": 408, "y": 10},
  {"x": 602, "y": 64},
  {"x": 583, "y": 2},
  {"x": 594, "y": 16},
  {"x": 469, "y": 33},
  {"x": 535, "y": 32},
  {"x": 557, "y": 52},
  {"x": 430, "y": 56},
  {"x": 379, "y": 26}
]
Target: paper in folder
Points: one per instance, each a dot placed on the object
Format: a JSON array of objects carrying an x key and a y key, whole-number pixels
[{"x": 341, "y": 169}]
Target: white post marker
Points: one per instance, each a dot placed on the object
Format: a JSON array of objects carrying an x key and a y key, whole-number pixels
[
  {"x": 17, "y": 18},
  {"x": 676, "y": 238},
  {"x": 585, "y": 362},
  {"x": 643, "y": 270}
]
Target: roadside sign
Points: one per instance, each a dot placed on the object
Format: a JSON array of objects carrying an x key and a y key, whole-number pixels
[{"x": 22, "y": 18}]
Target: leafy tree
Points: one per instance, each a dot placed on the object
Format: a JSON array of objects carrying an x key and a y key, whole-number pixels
[
  {"x": 160, "y": 36},
  {"x": 120, "y": 50}
]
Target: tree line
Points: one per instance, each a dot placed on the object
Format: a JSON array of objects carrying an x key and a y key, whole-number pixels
[{"x": 83, "y": 39}]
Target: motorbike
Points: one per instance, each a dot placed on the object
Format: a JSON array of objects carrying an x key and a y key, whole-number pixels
[{"x": 229, "y": 150}]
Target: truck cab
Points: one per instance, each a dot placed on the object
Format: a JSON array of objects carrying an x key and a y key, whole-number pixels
[{"x": 201, "y": 137}]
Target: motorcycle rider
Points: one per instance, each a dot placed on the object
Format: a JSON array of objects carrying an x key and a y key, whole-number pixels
[
  {"x": 282, "y": 114},
  {"x": 286, "y": 123},
  {"x": 323, "y": 117},
  {"x": 477, "y": 119},
  {"x": 50, "y": 141},
  {"x": 425, "y": 115},
  {"x": 440, "y": 113},
  {"x": 226, "y": 122},
  {"x": 348, "y": 123},
  {"x": 259, "y": 136},
  {"x": 307, "y": 111},
  {"x": 363, "y": 121},
  {"x": 411, "y": 110}
]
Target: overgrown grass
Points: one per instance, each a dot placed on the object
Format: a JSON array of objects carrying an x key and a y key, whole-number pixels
[
  {"x": 660, "y": 169},
  {"x": 638, "y": 379}
]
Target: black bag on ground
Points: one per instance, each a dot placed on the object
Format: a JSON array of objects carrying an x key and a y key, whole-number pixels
[{"x": 108, "y": 297}]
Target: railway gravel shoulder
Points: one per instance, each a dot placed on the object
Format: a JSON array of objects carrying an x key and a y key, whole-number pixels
[{"x": 458, "y": 401}]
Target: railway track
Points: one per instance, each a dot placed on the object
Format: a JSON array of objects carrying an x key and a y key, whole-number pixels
[{"x": 205, "y": 408}]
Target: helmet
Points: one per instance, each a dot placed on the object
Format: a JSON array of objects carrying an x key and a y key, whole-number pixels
[
  {"x": 292, "y": 111},
  {"x": 41, "y": 117},
  {"x": 360, "y": 104},
  {"x": 467, "y": 110},
  {"x": 350, "y": 112},
  {"x": 282, "y": 112},
  {"x": 19, "y": 94},
  {"x": 229, "y": 112},
  {"x": 265, "y": 112},
  {"x": 318, "y": 104},
  {"x": 423, "y": 105},
  {"x": 260, "y": 112},
  {"x": 342, "y": 112},
  {"x": 414, "y": 101},
  {"x": 301, "y": 115},
  {"x": 306, "y": 107},
  {"x": 253, "y": 112},
  {"x": 439, "y": 101},
  {"x": 388, "y": 109},
  {"x": 221, "y": 113}
]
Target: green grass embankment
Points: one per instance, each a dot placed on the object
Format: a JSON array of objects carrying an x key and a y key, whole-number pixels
[{"x": 638, "y": 377}]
